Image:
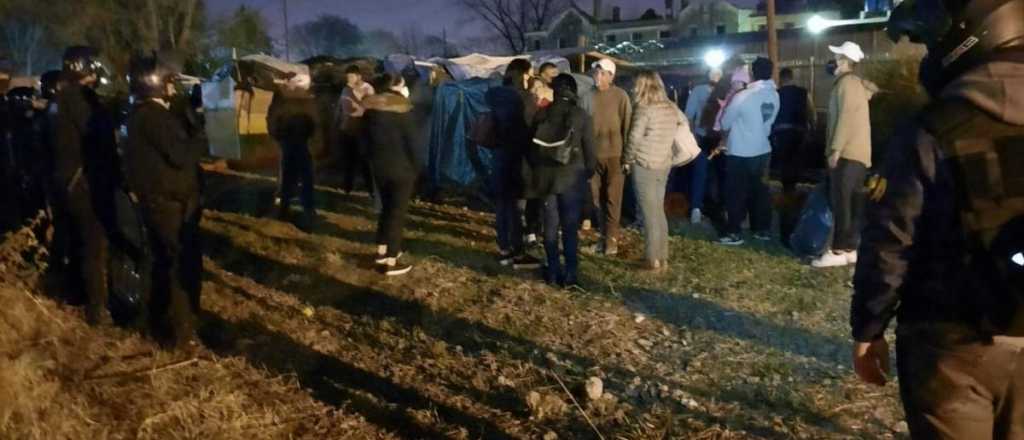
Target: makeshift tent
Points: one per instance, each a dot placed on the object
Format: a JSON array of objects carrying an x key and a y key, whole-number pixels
[
  {"x": 266, "y": 72},
  {"x": 236, "y": 101},
  {"x": 233, "y": 114},
  {"x": 576, "y": 56},
  {"x": 452, "y": 158},
  {"x": 483, "y": 66}
]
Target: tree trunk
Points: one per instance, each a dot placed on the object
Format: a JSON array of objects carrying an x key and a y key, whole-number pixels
[
  {"x": 186, "y": 25},
  {"x": 153, "y": 35}
]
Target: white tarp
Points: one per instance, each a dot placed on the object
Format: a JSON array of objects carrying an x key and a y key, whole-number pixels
[
  {"x": 221, "y": 118},
  {"x": 279, "y": 65},
  {"x": 484, "y": 66},
  {"x": 232, "y": 114}
]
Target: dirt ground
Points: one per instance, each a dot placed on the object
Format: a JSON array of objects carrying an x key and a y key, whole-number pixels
[{"x": 305, "y": 340}]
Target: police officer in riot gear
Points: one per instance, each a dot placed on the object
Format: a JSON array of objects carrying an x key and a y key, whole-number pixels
[
  {"x": 85, "y": 170},
  {"x": 943, "y": 249},
  {"x": 49, "y": 84},
  {"x": 26, "y": 148},
  {"x": 161, "y": 154}
]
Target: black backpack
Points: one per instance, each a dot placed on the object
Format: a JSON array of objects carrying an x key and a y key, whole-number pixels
[
  {"x": 986, "y": 158},
  {"x": 553, "y": 136}
]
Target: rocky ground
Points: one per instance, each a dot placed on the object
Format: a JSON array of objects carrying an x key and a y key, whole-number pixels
[{"x": 305, "y": 340}]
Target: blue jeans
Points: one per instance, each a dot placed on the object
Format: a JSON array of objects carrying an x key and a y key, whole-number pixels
[
  {"x": 562, "y": 213},
  {"x": 698, "y": 180},
  {"x": 508, "y": 225},
  {"x": 650, "y": 190},
  {"x": 508, "y": 215}
]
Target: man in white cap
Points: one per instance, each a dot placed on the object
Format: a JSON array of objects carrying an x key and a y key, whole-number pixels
[
  {"x": 612, "y": 112},
  {"x": 848, "y": 152}
]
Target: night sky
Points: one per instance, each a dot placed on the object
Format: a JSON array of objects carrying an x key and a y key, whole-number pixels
[{"x": 395, "y": 15}]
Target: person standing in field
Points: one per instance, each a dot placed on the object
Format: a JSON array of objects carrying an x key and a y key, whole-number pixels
[{"x": 612, "y": 112}]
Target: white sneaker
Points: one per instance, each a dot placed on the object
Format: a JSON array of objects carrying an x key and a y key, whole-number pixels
[
  {"x": 851, "y": 257},
  {"x": 696, "y": 217},
  {"x": 383, "y": 259},
  {"x": 830, "y": 259}
]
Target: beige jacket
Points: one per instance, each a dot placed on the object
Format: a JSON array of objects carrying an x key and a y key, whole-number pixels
[
  {"x": 849, "y": 120},
  {"x": 652, "y": 134}
]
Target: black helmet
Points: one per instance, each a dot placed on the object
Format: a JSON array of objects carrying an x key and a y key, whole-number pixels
[
  {"x": 150, "y": 76},
  {"x": 82, "y": 61},
  {"x": 960, "y": 34},
  {"x": 48, "y": 84},
  {"x": 19, "y": 99}
]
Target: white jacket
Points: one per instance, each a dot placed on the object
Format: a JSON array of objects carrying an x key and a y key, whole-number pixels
[{"x": 749, "y": 118}]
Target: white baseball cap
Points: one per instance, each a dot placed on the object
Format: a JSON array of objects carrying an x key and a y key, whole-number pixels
[
  {"x": 850, "y": 50},
  {"x": 604, "y": 64}
]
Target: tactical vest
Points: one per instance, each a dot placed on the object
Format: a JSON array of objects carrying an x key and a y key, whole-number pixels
[{"x": 985, "y": 157}]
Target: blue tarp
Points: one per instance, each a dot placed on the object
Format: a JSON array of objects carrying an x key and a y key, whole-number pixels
[{"x": 456, "y": 105}]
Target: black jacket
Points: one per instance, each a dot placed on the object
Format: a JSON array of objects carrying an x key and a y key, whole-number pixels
[
  {"x": 548, "y": 177},
  {"x": 513, "y": 109},
  {"x": 793, "y": 109},
  {"x": 161, "y": 159},
  {"x": 291, "y": 121},
  {"x": 911, "y": 258},
  {"x": 85, "y": 141},
  {"x": 72, "y": 120},
  {"x": 391, "y": 136},
  {"x": 28, "y": 148}
]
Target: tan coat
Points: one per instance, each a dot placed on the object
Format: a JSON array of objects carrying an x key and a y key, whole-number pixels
[{"x": 849, "y": 120}]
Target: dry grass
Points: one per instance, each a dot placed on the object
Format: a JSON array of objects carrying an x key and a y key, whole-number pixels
[
  {"x": 306, "y": 341},
  {"x": 63, "y": 380}
]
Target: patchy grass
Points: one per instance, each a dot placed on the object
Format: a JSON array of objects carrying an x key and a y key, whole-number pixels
[{"x": 730, "y": 343}]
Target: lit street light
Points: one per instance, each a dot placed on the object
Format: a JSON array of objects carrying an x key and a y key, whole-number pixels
[
  {"x": 818, "y": 24},
  {"x": 714, "y": 58}
]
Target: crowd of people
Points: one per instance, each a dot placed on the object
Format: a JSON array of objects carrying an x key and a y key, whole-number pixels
[
  {"x": 943, "y": 229},
  {"x": 563, "y": 155},
  {"x": 79, "y": 158}
]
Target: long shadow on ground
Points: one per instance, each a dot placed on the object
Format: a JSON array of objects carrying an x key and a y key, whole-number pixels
[
  {"x": 337, "y": 383},
  {"x": 692, "y": 313},
  {"x": 255, "y": 197},
  {"x": 474, "y": 337},
  {"x": 680, "y": 311}
]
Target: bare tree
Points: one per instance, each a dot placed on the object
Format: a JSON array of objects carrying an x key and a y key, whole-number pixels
[
  {"x": 511, "y": 20},
  {"x": 24, "y": 42},
  {"x": 170, "y": 23},
  {"x": 24, "y": 36},
  {"x": 381, "y": 43},
  {"x": 328, "y": 35},
  {"x": 411, "y": 40}
]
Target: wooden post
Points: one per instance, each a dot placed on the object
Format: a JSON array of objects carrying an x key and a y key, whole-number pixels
[
  {"x": 583, "y": 53},
  {"x": 773, "y": 40}
]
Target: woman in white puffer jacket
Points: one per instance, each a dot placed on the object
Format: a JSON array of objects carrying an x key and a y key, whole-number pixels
[{"x": 648, "y": 159}]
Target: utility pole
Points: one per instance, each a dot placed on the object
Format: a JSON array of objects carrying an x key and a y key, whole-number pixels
[
  {"x": 444, "y": 41},
  {"x": 287, "y": 52},
  {"x": 773, "y": 39}
]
